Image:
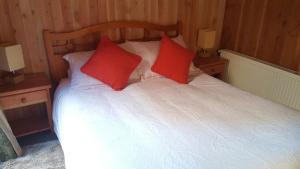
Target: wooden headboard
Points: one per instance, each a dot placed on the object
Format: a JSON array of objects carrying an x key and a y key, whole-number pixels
[{"x": 58, "y": 44}]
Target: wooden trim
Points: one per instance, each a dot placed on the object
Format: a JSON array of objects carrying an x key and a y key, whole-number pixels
[{"x": 64, "y": 41}]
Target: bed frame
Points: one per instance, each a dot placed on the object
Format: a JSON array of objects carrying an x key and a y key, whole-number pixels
[{"x": 58, "y": 44}]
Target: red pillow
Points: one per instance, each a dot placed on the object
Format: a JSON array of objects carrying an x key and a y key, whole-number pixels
[
  {"x": 111, "y": 64},
  {"x": 173, "y": 61}
]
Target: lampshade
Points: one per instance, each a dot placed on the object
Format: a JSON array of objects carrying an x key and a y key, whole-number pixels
[
  {"x": 11, "y": 58},
  {"x": 206, "y": 38}
]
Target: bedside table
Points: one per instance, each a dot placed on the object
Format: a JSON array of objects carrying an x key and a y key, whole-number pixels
[
  {"x": 34, "y": 89},
  {"x": 214, "y": 66}
]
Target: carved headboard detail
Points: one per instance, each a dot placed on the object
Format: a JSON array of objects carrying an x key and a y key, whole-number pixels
[{"x": 58, "y": 44}]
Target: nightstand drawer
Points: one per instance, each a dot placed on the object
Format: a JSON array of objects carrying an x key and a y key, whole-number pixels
[
  {"x": 214, "y": 69},
  {"x": 14, "y": 101}
]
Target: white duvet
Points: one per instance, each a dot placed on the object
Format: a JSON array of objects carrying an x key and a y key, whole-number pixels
[{"x": 160, "y": 124}]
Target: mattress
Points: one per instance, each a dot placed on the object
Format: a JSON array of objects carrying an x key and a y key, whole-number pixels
[{"x": 160, "y": 124}]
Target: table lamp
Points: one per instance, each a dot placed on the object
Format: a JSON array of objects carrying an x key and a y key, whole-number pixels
[
  {"x": 11, "y": 60},
  {"x": 206, "y": 41}
]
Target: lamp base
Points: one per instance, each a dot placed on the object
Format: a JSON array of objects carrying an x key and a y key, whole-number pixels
[
  {"x": 206, "y": 52},
  {"x": 14, "y": 79}
]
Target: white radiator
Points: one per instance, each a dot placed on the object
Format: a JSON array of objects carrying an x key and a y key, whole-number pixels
[{"x": 262, "y": 79}]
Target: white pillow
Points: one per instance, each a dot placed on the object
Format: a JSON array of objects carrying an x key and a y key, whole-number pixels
[
  {"x": 78, "y": 59},
  {"x": 149, "y": 52}
]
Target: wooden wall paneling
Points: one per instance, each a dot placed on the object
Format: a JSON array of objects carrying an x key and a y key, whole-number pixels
[
  {"x": 250, "y": 25},
  {"x": 93, "y": 17},
  {"x": 231, "y": 21},
  {"x": 102, "y": 11},
  {"x": 93, "y": 12},
  {"x": 203, "y": 17},
  {"x": 33, "y": 36},
  {"x": 152, "y": 13},
  {"x": 201, "y": 14},
  {"x": 261, "y": 24},
  {"x": 82, "y": 18},
  {"x": 184, "y": 16},
  {"x": 239, "y": 24},
  {"x": 133, "y": 9},
  {"x": 218, "y": 21},
  {"x": 67, "y": 14},
  {"x": 23, "y": 21},
  {"x": 25, "y": 17},
  {"x": 5, "y": 24},
  {"x": 174, "y": 11},
  {"x": 81, "y": 13},
  {"x": 168, "y": 11},
  {"x": 16, "y": 18},
  {"x": 198, "y": 20},
  {"x": 280, "y": 34},
  {"x": 111, "y": 16},
  {"x": 290, "y": 54},
  {"x": 57, "y": 16},
  {"x": 267, "y": 30},
  {"x": 271, "y": 39},
  {"x": 41, "y": 12},
  {"x": 6, "y": 30}
]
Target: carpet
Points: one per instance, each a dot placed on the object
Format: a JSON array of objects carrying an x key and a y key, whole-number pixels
[{"x": 48, "y": 155}]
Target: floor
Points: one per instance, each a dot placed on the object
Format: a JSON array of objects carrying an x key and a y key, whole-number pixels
[
  {"x": 40, "y": 151},
  {"x": 37, "y": 138},
  {"x": 46, "y": 155}
]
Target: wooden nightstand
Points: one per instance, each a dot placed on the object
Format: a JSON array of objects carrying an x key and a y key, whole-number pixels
[
  {"x": 214, "y": 66},
  {"x": 35, "y": 89}
]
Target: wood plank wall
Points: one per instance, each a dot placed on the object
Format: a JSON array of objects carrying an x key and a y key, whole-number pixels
[
  {"x": 265, "y": 29},
  {"x": 22, "y": 21},
  {"x": 201, "y": 14},
  {"x": 27, "y": 19}
]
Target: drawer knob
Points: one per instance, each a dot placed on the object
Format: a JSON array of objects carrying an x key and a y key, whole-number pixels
[{"x": 23, "y": 100}]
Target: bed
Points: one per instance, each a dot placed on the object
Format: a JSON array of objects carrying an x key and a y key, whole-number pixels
[{"x": 158, "y": 123}]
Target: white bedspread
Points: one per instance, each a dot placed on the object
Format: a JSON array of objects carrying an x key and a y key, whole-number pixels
[{"x": 160, "y": 124}]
